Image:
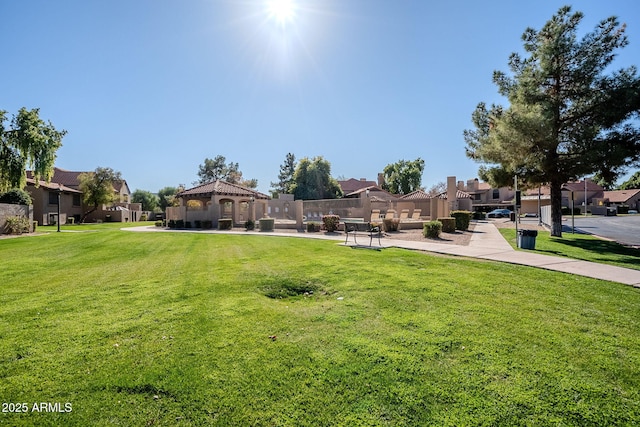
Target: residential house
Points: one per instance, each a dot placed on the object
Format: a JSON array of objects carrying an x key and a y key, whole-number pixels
[
  {"x": 352, "y": 185},
  {"x": 51, "y": 198},
  {"x": 582, "y": 193},
  {"x": 630, "y": 198},
  {"x": 484, "y": 198},
  {"x": 67, "y": 183}
]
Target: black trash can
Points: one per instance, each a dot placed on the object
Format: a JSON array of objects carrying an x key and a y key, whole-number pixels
[
  {"x": 512, "y": 216},
  {"x": 527, "y": 239}
]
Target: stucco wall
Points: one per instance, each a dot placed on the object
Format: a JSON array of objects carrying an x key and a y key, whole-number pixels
[{"x": 7, "y": 210}]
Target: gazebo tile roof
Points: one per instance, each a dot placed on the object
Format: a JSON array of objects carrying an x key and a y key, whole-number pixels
[{"x": 222, "y": 188}]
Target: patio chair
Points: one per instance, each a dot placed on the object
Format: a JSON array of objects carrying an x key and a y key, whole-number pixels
[
  {"x": 404, "y": 214},
  {"x": 391, "y": 213},
  {"x": 416, "y": 214},
  {"x": 375, "y": 215}
]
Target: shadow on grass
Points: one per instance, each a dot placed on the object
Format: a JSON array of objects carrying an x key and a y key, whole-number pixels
[{"x": 599, "y": 250}]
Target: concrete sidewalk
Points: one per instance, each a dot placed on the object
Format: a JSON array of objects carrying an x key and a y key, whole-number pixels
[{"x": 486, "y": 243}]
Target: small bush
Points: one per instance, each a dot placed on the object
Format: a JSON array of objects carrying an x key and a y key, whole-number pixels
[
  {"x": 267, "y": 224},
  {"x": 16, "y": 196},
  {"x": 17, "y": 224},
  {"x": 158, "y": 223},
  {"x": 207, "y": 224},
  {"x": 330, "y": 222},
  {"x": 197, "y": 223},
  {"x": 463, "y": 218},
  {"x": 172, "y": 223},
  {"x": 187, "y": 224},
  {"x": 225, "y": 224},
  {"x": 448, "y": 225},
  {"x": 479, "y": 215},
  {"x": 35, "y": 226},
  {"x": 180, "y": 223},
  {"x": 567, "y": 211},
  {"x": 432, "y": 229},
  {"x": 313, "y": 227},
  {"x": 249, "y": 224},
  {"x": 391, "y": 224},
  {"x": 623, "y": 209}
]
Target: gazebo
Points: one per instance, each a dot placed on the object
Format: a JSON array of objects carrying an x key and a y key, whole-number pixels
[{"x": 219, "y": 199}]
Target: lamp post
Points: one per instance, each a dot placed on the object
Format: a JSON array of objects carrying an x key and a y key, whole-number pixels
[{"x": 59, "y": 192}]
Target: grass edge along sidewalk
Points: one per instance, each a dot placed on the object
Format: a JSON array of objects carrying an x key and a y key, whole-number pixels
[{"x": 581, "y": 247}]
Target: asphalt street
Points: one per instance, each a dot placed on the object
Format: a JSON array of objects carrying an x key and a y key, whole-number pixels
[{"x": 623, "y": 229}]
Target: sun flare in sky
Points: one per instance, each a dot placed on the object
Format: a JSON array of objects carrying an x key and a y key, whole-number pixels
[{"x": 281, "y": 11}]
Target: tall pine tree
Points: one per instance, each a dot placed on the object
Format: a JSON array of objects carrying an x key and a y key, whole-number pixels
[{"x": 566, "y": 117}]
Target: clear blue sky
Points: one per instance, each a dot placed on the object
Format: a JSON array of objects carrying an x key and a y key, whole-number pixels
[{"x": 153, "y": 87}]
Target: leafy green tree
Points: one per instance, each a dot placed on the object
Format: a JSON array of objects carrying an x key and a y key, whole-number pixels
[
  {"x": 632, "y": 183},
  {"x": 167, "y": 197},
  {"x": 404, "y": 176},
  {"x": 285, "y": 177},
  {"x": 27, "y": 142},
  {"x": 148, "y": 199},
  {"x": 214, "y": 169},
  {"x": 15, "y": 196},
  {"x": 566, "y": 118},
  {"x": 97, "y": 188},
  {"x": 313, "y": 181}
]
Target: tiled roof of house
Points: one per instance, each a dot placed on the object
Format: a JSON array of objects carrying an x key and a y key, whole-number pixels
[
  {"x": 72, "y": 179},
  {"x": 53, "y": 186},
  {"x": 416, "y": 195},
  {"x": 579, "y": 186},
  {"x": 459, "y": 195},
  {"x": 374, "y": 191},
  {"x": 352, "y": 184},
  {"x": 222, "y": 188},
  {"x": 62, "y": 176},
  {"x": 620, "y": 196}
]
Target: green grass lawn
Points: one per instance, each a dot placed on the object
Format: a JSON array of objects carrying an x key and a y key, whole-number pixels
[
  {"x": 212, "y": 329},
  {"x": 583, "y": 247}
]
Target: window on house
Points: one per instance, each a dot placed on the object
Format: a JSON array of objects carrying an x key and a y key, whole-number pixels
[
  {"x": 496, "y": 194},
  {"x": 477, "y": 197},
  {"x": 76, "y": 200},
  {"x": 53, "y": 198}
]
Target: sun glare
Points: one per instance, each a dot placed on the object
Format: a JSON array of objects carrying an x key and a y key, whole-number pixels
[{"x": 282, "y": 11}]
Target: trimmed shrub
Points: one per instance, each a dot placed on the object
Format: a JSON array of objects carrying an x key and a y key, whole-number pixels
[
  {"x": 35, "y": 226},
  {"x": 391, "y": 224},
  {"x": 313, "y": 227},
  {"x": 479, "y": 215},
  {"x": 448, "y": 225},
  {"x": 16, "y": 196},
  {"x": 330, "y": 222},
  {"x": 158, "y": 223},
  {"x": 432, "y": 229},
  {"x": 197, "y": 223},
  {"x": 17, "y": 224},
  {"x": 267, "y": 224},
  {"x": 180, "y": 223},
  {"x": 172, "y": 223},
  {"x": 187, "y": 224},
  {"x": 225, "y": 224},
  {"x": 567, "y": 211},
  {"x": 249, "y": 224},
  {"x": 463, "y": 218},
  {"x": 207, "y": 224}
]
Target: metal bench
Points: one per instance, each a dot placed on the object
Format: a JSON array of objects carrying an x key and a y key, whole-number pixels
[{"x": 353, "y": 227}]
